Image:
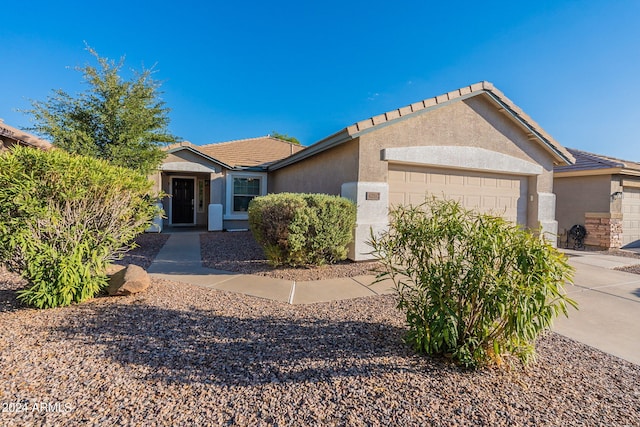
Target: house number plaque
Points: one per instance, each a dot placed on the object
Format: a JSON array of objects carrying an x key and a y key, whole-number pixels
[{"x": 372, "y": 195}]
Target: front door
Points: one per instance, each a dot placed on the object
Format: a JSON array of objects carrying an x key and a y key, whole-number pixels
[{"x": 182, "y": 202}]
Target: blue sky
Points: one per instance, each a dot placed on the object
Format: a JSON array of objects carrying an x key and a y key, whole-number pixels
[{"x": 234, "y": 70}]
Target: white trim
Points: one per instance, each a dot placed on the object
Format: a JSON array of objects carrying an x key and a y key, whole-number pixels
[
  {"x": 228, "y": 213},
  {"x": 195, "y": 195},
  {"x": 467, "y": 158},
  {"x": 200, "y": 198}
]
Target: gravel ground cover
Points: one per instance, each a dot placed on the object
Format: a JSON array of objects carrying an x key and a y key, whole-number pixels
[
  {"x": 240, "y": 253},
  {"x": 184, "y": 355}
]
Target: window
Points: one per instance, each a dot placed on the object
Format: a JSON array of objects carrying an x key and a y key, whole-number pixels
[
  {"x": 242, "y": 187},
  {"x": 244, "y": 190}
]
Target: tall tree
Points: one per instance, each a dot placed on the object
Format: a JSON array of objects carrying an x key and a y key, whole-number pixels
[{"x": 119, "y": 120}]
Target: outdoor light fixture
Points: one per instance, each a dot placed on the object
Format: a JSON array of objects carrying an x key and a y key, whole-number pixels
[{"x": 617, "y": 195}]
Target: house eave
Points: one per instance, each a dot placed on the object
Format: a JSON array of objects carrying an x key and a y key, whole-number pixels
[
  {"x": 532, "y": 132},
  {"x": 588, "y": 172}
]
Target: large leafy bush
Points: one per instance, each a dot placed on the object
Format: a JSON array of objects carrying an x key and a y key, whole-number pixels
[
  {"x": 63, "y": 218},
  {"x": 302, "y": 229},
  {"x": 474, "y": 287}
]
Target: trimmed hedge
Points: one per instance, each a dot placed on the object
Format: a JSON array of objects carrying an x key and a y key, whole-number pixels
[
  {"x": 302, "y": 229},
  {"x": 63, "y": 218}
]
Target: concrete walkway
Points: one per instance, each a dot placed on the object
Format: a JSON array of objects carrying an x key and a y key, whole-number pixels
[
  {"x": 609, "y": 305},
  {"x": 609, "y": 301},
  {"x": 179, "y": 260}
]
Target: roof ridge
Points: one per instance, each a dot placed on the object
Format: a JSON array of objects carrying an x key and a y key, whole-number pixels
[
  {"x": 462, "y": 93},
  {"x": 250, "y": 139},
  {"x": 421, "y": 105},
  {"x": 235, "y": 140}
]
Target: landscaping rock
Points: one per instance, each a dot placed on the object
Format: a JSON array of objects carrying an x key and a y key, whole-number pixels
[{"x": 127, "y": 280}]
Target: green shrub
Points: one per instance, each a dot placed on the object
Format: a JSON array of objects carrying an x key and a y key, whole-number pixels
[
  {"x": 63, "y": 218},
  {"x": 302, "y": 229},
  {"x": 474, "y": 287}
]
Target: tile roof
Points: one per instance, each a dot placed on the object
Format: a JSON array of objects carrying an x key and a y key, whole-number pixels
[
  {"x": 593, "y": 162},
  {"x": 23, "y": 138},
  {"x": 250, "y": 152},
  {"x": 534, "y": 130}
]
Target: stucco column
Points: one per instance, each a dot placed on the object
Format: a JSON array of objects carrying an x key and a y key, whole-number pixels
[
  {"x": 372, "y": 201},
  {"x": 547, "y": 217}
]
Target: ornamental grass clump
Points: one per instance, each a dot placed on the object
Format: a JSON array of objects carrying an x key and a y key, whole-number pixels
[
  {"x": 474, "y": 287},
  {"x": 299, "y": 229},
  {"x": 63, "y": 218}
]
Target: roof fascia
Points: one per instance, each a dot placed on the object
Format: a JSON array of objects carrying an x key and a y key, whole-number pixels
[
  {"x": 588, "y": 172},
  {"x": 534, "y": 132}
]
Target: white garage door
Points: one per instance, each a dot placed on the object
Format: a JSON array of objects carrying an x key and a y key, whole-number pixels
[
  {"x": 503, "y": 195},
  {"x": 631, "y": 217}
]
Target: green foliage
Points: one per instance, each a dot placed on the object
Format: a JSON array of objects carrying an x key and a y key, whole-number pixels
[
  {"x": 302, "y": 229},
  {"x": 474, "y": 287},
  {"x": 285, "y": 137},
  {"x": 122, "y": 121},
  {"x": 63, "y": 218}
]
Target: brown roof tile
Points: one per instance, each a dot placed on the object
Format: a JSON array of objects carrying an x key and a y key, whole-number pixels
[
  {"x": 591, "y": 162},
  {"x": 260, "y": 151},
  {"x": 16, "y": 135}
]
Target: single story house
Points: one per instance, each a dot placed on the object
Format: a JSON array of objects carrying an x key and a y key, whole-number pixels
[
  {"x": 472, "y": 144},
  {"x": 211, "y": 185},
  {"x": 10, "y": 136},
  {"x": 602, "y": 194}
]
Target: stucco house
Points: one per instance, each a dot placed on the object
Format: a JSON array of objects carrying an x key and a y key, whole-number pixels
[
  {"x": 472, "y": 144},
  {"x": 211, "y": 185},
  {"x": 11, "y": 136},
  {"x": 602, "y": 194}
]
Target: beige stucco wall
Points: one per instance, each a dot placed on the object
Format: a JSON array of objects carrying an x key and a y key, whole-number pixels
[
  {"x": 474, "y": 122},
  {"x": 323, "y": 173},
  {"x": 578, "y": 195}
]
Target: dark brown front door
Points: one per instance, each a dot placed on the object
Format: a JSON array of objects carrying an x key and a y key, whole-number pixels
[{"x": 182, "y": 202}]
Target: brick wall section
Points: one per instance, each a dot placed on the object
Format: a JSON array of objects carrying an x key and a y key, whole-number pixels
[{"x": 604, "y": 230}]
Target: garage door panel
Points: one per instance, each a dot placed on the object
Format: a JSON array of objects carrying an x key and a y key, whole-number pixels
[
  {"x": 474, "y": 181},
  {"x": 455, "y": 180},
  {"x": 503, "y": 195}
]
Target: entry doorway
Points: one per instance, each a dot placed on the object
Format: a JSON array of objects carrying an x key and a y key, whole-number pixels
[{"x": 183, "y": 201}]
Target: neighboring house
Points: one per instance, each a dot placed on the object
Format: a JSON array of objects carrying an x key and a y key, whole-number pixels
[
  {"x": 10, "y": 136},
  {"x": 602, "y": 194},
  {"x": 213, "y": 184},
  {"x": 473, "y": 145}
]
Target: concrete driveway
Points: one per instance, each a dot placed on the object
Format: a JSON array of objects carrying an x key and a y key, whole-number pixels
[{"x": 609, "y": 305}]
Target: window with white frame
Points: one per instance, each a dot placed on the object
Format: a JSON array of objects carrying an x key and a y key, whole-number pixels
[{"x": 242, "y": 187}]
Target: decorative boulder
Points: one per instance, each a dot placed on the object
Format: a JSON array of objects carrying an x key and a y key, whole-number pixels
[{"x": 127, "y": 281}]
